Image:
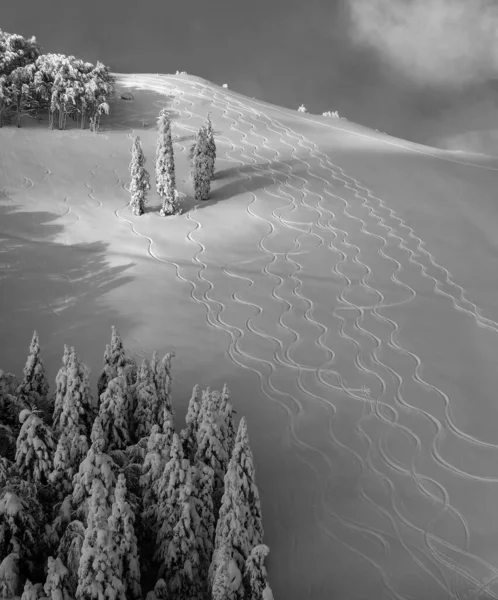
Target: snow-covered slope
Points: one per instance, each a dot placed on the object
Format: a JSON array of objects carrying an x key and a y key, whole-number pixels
[{"x": 339, "y": 280}]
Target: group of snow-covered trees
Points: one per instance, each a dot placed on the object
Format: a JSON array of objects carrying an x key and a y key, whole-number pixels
[
  {"x": 106, "y": 500},
  {"x": 202, "y": 155},
  {"x": 31, "y": 82}
]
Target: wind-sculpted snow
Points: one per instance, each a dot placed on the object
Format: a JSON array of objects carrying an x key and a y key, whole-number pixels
[{"x": 314, "y": 313}]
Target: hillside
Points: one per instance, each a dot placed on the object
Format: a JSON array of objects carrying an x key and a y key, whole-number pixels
[{"x": 339, "y": 280}]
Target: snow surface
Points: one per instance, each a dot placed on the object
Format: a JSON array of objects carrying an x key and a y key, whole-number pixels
[{"x": 330, "y": 259}]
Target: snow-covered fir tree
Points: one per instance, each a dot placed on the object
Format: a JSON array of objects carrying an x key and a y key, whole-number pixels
[
  {"x": 227, "y": 579},
  {"x": 146, "y": 400},
  {"x": 34, "y": 385},
  {"x": 140, "y": 179},
  {"x": 56, "y": 585},
  {"x": 22, "y": 522},
  {"x": 10, "y": 408},
  {"x": 11, "y": 581},
  {"x": 227, "y": 423},
  {"x": 72, "y": 447},
  {"x": 239, "y": 525},
  {"x": 210, "y": 446},
  {"x": 114, "y": 415},
  {"x": 202, "y": 498},
  {"x": 201, "y": 166},
  {"x": 255, "y": 577},
  {"x": 165, "y": 167},
  {"x": 124, "y": 542},
  {"x": 60, "y": 389},
  {"x": 98, "y": 573},
  {"x": 173, "y": 487},
  {"x": 69, "y": 551},
  {"x": 78, "y": 408},
  {"x": 188, "y": 435},
  {"x": 210, "y": 145},
  {"x": 160, "y": 591},
  {"x": 32, "y": 591},
  {"x": 180, "y": 567},
  {"x": 5, "y": 468},
  {"x": 35, "y": 448},
  {"x": 163, "y": 380},
  {"x": 96, "y": 465},
  {"x": 114, "y": 357}
]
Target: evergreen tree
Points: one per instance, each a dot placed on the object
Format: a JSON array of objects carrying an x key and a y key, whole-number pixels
[
  {"x": 69, "y": 552},
  {"x": 227, "y": 420},
  {"x": 22, "y": 522},
  {"x": 181, "y": 561},
  {"x": 202, "y": 498},
  {"x": 98, "y": 573},
  {"x": 78, "y": 407},
  {"x": 140, "y": 179},
  {"x": 163, "y": 383},
  {"x": 173, "y": 487},
  {"x": 210, "y": 145},
  {"x": 165, "y": 167},
  {"x": 239, "y": 524},
  {"x": 255, "y": 576},
  {"x": 201, "y": 166},
  {"x": 96, "y": 465},
  {"x": 56, "y": 585},
  {"x": 210, "y": 447},
  {"x": 60, "y": 389},
  {"x": 227, "y": 579},
  {"x": 124, "y": 542},
  {"x": 188, "y": 435},
  {"x": 34, "y": 386},
  {"x": 158, "y": 454},
  {"x": 35, "y": 448},
  {"x": 10, "y": 576},
  {"x": 114, "y": 415},
  {"x": 160, "y": 591},
  {"x": 32, "y": 591},
  {"x": 147, "y": 402},
  {"x": 72, "y": 448}
]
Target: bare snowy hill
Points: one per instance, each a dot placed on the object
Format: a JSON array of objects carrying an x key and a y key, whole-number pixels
[{"x": 339, "y": 280}]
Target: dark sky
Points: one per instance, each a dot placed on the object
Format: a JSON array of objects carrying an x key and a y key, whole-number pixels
[{"x": 382, "y": 63}]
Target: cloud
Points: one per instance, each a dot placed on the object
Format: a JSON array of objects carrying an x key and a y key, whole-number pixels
[{"x": 432, "y": 42}]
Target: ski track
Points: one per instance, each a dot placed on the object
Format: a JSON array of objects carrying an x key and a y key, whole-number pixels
[
  {"x": 372, "y": 219},
  {"x": 421, "y": 258}
]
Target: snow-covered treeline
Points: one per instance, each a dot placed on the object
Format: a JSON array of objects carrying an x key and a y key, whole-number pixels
[
  {"x": 31, "y": 82},
  {"x": 102, "y": 498}
]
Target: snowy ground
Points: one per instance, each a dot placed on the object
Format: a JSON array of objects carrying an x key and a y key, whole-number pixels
[{"x": 340, "y": 281}]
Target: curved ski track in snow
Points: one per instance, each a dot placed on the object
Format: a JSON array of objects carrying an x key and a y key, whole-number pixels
[{"x": 389, "y": 406}]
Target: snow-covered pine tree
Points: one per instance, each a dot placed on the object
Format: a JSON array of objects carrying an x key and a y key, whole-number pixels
[
  {"x": 210, "y": 145},
  {"x": 227, "y": 578},
  {"x": 160, "y": 591},
  {"x": 34, "y": 385},
  {"x": 60, "y": 389},
  {"x": 11, "y": 581},
  {"x": 114, "y": 415},
  {"x": 201, "y": 166},
  {"x": 202, "y": 498},
  {"x": 5, "y": 468},
  {"x": 124, "y": 542},
  {"x": 72, "y": 447},
  {"x": 78, "y": 409},
  {"x": 146, "y": 400},
  {"x": 140, "y": 179},
  {"x": 69, "y": 552},
  {"x": 165, "y": 167},
  {"x": 35, "y": 448},
  {"x": 239, "y": 525},
  {"x": 158, "y": 454},
  {"x": 96, "y": 465},
  {"x": 242, "y": 459},
  {"x": 210, "y": 447},
  {"x": 181, "y": 562},
  {"x": 98, "y": 573},
  {"x": 163, "y": 383},
  {"x": 10, "y": 407},
  {"x": 255, "y": 577},
  {"x": 173, "y": 487},
  {"x": 32, "y": 591},
  {"x": 56, "y": 585},
  {"x": 22, "y": 522},
  {"x": 188, "y": 435},
  {"x": 227, "y": 419}
]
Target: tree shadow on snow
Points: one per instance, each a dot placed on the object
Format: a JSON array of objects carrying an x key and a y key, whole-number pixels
[{"x": 59, "y": 290}]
